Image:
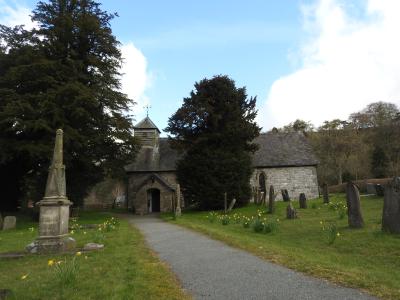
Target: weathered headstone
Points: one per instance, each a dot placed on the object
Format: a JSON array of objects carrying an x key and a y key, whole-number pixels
[
  {"x": 353, "y": 206},
  {"x": 178, "y": 211},
  {"x": 271, "y": 200},
  {"x": 54, "y": 207},
  {"x": 380, "y": 190},
  {"x": 291, "y": 211},
  {"x": 303, "y": 200},
  {"x": 325, "y": 193},
  {"x": 285, "y": 195},
  {"x": 232, "y": 204},
  {"x": 371, "y": 188},
  {"x": 391, "y": 207},
  {"x": 9, "y": 222}
]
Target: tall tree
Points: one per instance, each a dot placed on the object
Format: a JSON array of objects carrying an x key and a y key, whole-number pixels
[
  {"x": 215, "y": 129},
  {"x": 65, "y": 74}
]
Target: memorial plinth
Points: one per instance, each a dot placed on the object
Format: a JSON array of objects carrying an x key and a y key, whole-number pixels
[{"x": 54, "y": 207}]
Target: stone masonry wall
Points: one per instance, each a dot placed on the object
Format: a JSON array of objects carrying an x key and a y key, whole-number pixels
[
  {"x": 295, "y": 179},
  {"x": 138, "y": 198}
]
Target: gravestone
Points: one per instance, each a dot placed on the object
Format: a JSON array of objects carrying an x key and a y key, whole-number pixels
[
  {"x": 285, "y": 195},
  {"x": 325, "y": 193},
  {"x": 380, "y": 190},
  {"x": 271, "y": 200},
  {"x": 391, "y": 207},
  {"x": 291, "y": 211},
  {"x": 303, "y": 200},
  {"x": 232, "y": 204},
  {"x": 9, "y": 222},
  {"x": 178, "y": 211},
  {"x": 54, "y": 207},
  {"x": 371, "y": 188},
  {"x": 353, "y": 206}
]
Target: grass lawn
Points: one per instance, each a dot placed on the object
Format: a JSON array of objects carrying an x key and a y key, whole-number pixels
[
  {"x": 125, "y": 269},
  {"x": 363, "y": 258}
]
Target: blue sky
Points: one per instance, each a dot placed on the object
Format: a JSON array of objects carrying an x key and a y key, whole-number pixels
[{"x": 309, "y": 59}]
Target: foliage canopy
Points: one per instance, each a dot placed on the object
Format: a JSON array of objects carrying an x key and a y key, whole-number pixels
[{"x": 215, "y": 129}]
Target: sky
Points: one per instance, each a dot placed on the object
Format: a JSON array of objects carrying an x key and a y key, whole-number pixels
[{"x": 314, "y": 60}]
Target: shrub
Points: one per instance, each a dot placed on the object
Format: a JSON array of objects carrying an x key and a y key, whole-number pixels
[
  {"x": 212, "y": 216},
  {"x": 225, "y": 219},
  {"x": 258, "y": 225},
  {"x": 66, "y": 271},
  {"x": 246, "y": 222},
  {"x": 271, "y": 226},
  {"x": 331, "y": 232}
]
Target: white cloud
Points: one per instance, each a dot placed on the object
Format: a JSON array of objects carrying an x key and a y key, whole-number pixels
[
  {"x": 136, "y": 78},
  {"x": 13, "y": 13},
  {"x": 346, "y": 63}
]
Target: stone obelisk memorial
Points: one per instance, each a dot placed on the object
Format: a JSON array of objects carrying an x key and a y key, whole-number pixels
[{"x": 54, "y": 207}]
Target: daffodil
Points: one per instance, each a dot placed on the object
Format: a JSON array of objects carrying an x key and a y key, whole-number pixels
[
  {"x": 338, "y": 234},
  {"x": 50, "y": 262},
  {"x": 79, "y": 253},
  {"x": 72, "y": 232},
  {"x": 320, "y": 222},
  {"x": 23, "y": 277}
]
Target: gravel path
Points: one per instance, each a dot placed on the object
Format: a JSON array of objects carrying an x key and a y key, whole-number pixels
[{"x": 209, "y": 269}]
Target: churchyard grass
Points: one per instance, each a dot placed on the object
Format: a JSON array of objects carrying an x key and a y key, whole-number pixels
[
  {"x": 319, "y": 242},
  {"x": 125, "y": 269}
]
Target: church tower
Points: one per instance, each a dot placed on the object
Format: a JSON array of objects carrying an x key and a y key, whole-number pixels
[{"x": 147, "y": 132}]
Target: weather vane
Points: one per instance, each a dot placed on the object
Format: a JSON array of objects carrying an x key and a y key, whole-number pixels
[{"x": 147, "y": 107}]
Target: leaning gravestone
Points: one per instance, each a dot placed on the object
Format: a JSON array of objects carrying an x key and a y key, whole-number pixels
[
  {"x": 391, "y": 207},
  {"x": 232, "y": 204},
  {"x": 291, "y": 211},
  {"x": 285, "y": 195},
  {"x": 9, "y": 222},
  {"x": 303, "y": 200},
  {"x": 271, "y": 200},
  {"x": 325, "y": 193},
  {"x": 353, "y": 206}
]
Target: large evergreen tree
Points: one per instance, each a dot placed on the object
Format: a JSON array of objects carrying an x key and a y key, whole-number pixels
[
  {"x": 215, "y": 129},
  {"x": 62, "y": 75}
]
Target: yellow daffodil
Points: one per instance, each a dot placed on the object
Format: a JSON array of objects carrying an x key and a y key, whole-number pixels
[
  {"x": 72, "y": 232},
  {"x": 84, "y": 232},
  {"x": 23, "y": 277},
  {"x": 320, "y": 222},
  {"x": 79, "y": 253},
  {"x": 50, "y": 262},
  {"x": 338, "y": 234}
]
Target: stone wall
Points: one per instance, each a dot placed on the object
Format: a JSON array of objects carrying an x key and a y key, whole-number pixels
[{"x": 295, "y": 179}]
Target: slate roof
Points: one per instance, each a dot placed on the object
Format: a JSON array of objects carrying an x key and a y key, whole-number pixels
[
  {"x": 283, "y": 150},
  {"x": 146, "y": 123},
  {"x": 276, "y": 150}
]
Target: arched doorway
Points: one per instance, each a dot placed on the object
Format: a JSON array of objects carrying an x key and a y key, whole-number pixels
[{"x": 153, "y": 200}]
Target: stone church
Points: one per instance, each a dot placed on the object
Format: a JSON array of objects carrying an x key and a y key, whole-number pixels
[{"x": 284, "y": 160}]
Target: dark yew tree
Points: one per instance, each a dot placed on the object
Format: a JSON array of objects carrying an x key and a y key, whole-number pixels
[
  {"x": 64, "y": 74},
  {"x": 215, "y": 129}
]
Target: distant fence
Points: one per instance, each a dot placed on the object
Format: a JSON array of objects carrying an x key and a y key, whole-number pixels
[{"x": 362, "y": 185}]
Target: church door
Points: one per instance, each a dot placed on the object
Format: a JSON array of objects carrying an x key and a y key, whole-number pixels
[{"x": 153, "y": 200}]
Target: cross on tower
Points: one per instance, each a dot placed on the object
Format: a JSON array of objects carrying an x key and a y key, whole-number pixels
[{"x": 147, "y": 107}]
